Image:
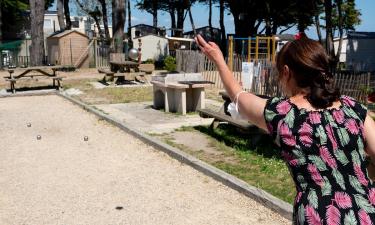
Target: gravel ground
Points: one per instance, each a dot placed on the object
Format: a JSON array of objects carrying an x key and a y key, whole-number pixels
[{"x": 113, "y": 178}]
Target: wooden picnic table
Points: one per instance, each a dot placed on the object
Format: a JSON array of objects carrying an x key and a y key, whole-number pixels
[
  {"x": 125, "y": 70},
  {"x": 124, "y": 66},
  {"x": 24, "y": 73}
]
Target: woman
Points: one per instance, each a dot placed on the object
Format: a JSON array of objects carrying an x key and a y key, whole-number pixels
[{"x": 322, "y": 136}]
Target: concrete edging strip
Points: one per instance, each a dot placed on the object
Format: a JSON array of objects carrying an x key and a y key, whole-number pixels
[{"x": 281, "y": 207}]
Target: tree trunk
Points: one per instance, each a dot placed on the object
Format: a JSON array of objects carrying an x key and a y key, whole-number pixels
[
  {"x": 318, "y": 31},
  {"x": 155, "y": 13},
  {"x": 173, "y": 21},
  {"x": 118, "y": 21},
  {"x": 60, "y": 14},
  {"x": 245, "y": 27},
  {"x": 329, "y": 30},
  {"x": 105, "y": 19},
  {"x": 222, "y": 28},
  {"x": 37, "y": 35},
  {"x": 1, "y": 26},
  {"x": 180, "y": 22},
  {"x": 192, "y": 22},
  {"x": 97, "y": 23},
  {"x": 68, "y": 22},
  {"x": 210, "y": 18},
  {"x": 341, "y": 32}
]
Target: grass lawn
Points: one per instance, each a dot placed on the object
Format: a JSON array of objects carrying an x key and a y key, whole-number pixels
[
  {"x": 109, "y": 95},
  {"x": 258, "y": 164}
]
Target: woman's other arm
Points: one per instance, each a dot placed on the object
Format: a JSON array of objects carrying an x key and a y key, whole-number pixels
[
  {"x": 370, "y": 136},
  {"x": 250, "y": 105}
]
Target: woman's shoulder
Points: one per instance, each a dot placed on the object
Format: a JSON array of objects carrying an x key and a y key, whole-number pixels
[{"x": 353, "y": 107}]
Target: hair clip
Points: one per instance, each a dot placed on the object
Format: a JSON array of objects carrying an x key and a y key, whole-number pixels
[{"x": 324, "y": 76}]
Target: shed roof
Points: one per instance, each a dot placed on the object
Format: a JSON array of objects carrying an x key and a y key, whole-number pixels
[{"x": 66, "y": 32}]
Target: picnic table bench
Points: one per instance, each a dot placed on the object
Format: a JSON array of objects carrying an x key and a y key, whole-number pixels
[{"x": 42, "y": 71}]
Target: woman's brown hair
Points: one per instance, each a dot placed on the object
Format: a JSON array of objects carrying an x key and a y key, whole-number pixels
[{"x": 310, "y": 66}]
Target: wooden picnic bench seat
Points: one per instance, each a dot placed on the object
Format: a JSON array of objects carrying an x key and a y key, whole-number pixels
[
  {"x": 13, "y": 81},
  {"x": 147, "y": 68}
]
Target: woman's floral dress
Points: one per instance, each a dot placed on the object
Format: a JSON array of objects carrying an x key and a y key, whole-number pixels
[{"x": 325, "y": 154}]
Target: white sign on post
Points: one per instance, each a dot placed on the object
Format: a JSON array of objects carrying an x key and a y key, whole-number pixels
[{"x": 247, "y": 74}]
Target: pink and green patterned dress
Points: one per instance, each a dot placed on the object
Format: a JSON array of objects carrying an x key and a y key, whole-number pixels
[{"x": 325, "y": 153}]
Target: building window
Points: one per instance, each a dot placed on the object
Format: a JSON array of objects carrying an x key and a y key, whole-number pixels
[
  {"x": 137, "y": 33},
  {"x": 75, "y": 24},
  {"x": 48, "y": 24}
]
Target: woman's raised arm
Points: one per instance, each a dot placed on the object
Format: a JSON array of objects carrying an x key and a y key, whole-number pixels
[{"x": 250, "y": 105}]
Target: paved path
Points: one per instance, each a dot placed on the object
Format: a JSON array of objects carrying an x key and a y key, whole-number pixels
[
  {"x": 146, "y": 119},
  {"x": 61, "y": 179}
]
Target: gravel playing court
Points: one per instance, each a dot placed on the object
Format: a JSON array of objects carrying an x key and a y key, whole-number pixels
[{"x": 113, "y": 178}]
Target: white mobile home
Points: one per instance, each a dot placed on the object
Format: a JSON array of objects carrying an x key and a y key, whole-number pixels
[
  {"x": 153, "y": 47},
  {"x": 358, "y": 51}
]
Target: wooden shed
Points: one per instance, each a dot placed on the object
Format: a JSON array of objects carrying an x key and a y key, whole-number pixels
[{"x": 69, "y": 47}]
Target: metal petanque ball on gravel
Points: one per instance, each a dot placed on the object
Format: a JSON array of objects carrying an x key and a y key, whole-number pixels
[
  {"x": 38, "y": 137},
  {"x": 28, "y": 124},
  {"x": 86, "y": 138}
]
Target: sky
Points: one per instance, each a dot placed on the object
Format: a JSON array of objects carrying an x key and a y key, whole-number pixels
[{"x": 200, "y": 14}]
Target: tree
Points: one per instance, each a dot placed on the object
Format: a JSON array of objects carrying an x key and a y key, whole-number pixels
[
  {"x": 118, "y": 24},
  {"x": 15, "y": 18},
  {"x": 60, "y": 13},
  {"x": 37, "y": 42},
  {"x": 222, "y": 27},
  {"x": 177, "y": 10},
  {"x": 91, "y": 8},
  {"x": 103, "y": 4},
  {"x": 340, "y": 16},
  {"x": 150, "y": 6},
  {"x": 68, "y": 22}
]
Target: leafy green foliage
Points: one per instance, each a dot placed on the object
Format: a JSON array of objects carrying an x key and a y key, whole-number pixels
[{"x": 170, "y": 63}]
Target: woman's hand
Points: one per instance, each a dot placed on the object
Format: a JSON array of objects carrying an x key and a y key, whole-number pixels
[{"x": 210, "y": 49}]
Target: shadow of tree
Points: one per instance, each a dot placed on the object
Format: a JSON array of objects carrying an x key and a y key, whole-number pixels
[{"x": 252, "y": 140}]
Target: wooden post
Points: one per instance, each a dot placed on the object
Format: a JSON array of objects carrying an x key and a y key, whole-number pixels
[
  {"x": 273, "y": 48},
  {"x": 230, "y": 53},
  {"x": 71, "y": 54},
  {"x": 268, "y": 48},
  {"x": 249, "y": 50},
  {"x": 139, "y": 50},
  {"x": 256, "y": 48}
]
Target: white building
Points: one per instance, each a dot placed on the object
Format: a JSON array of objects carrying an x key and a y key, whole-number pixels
[
  {"x": 153, "y": 46},
  {"x": 358, "y": 51}
]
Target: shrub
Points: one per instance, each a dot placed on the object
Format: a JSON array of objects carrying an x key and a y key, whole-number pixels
[
  {"x": 170, "y": 63},
  {"x": 149, "y": 61}
]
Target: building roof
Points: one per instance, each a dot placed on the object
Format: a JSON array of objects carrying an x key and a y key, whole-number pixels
[
  {"x": 145, "y": 25},
  {"x": 201, "y": 28},
  {"x": 150, "y": 35},
  {"x": 361, "y": 35},
  {"x": 66, "y": 32},
  {"x": 180, "y": 39},
  {"x": 357, "y": 35}
]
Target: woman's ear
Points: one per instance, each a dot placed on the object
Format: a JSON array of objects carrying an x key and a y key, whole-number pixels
[{"x": 286, "y": 73}]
